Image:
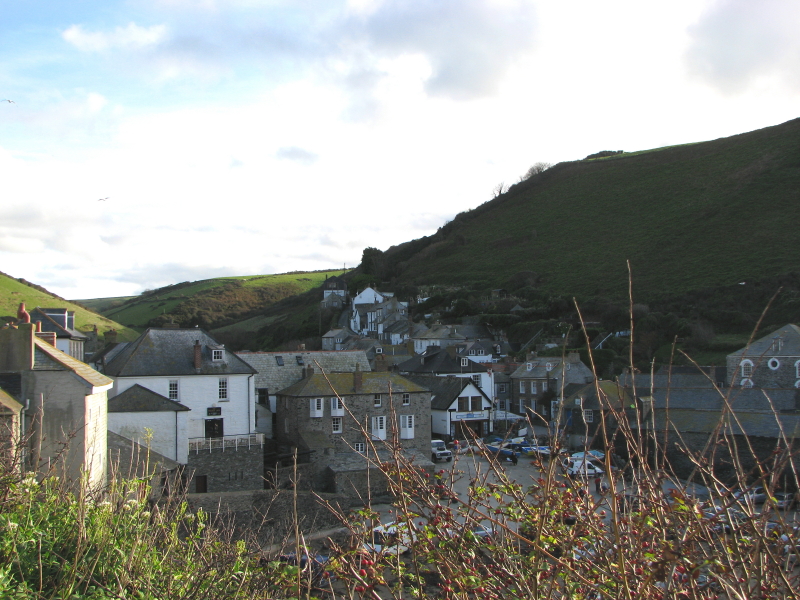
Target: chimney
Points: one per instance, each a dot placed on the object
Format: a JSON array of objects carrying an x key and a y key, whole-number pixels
[
  {"x": 358, "y": 379},
  {"x": 381, "y": 363},
  {"x": 16, "y": 348},
  {"x": 46, "y": 336},
  {"x": 110, "y": 336},
  {"x": 309, "y": 371},
  {"x": 301, "y": 346},
  {"x": 22, "y": 314},
  {"x": 198, "y": 355},
  {"x": 451, "y": 350},
  {"x": 573, "y": 357}
]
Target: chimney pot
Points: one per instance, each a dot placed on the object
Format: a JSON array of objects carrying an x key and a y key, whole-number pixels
[{"x": 358, "y": 379}]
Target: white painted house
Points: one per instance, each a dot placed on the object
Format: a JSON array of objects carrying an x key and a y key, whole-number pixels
[
  {"x": 183, "y": 390},
  {"x": 459, "y": 408}
]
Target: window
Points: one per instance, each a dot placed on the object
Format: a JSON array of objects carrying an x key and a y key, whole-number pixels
[
  {"x": 316, "y": 407},
  {"x": 476, "y": 379},
  {"x": 534, "y": 388},
  {"x": 746, "y": 368},
  {"x": 338, "y": 340},
  {"x": 213, "y": 411},
  {"x": 299, "y": 360},
  {"x": 216, "y": 355},
  {"x": 747, "y": 383},
  {"x": 521, "y": 406},
  {"x": 360, "y": 447},
  {"x": 376, "y": 401},
  {"x": 797, "y": 369},
  {"x": 476, "y": 404},
  {"x": 464, "y": 362},
  {"x": 379, "y": 428},
  {"x": 223, "y": 388},
  {"x": 336, "y": 425},
  {"x": 262, "y": 395},
  {"x": 544, "y": 386},
  {"x": 588, "y": 415},
  {"x": 777, "y": 344},
  {"x": 406, "y": 427},
  {"x": 173, "y": 389},
  {"x": 337, "y": 407},
  {"x": 529, "y": 366},
  {"x": 554, "y": 408},
  {"x": 378, "y": 350},
  {"x": 406, "y": 399},
  {"x": 463, "y": 404},
  {"x": 472, "y": 352},
  {"x": 578, "y": 401},
  {"x": 480, "y": 351},
  {"x": 503, "y": 388},
  {"x": 521, "y": 387},
  {"x": 279, "y": 360},
  {"x": 774, "y": 364}
]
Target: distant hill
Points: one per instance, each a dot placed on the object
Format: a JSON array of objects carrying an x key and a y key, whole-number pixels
[
  {"x": 226, "y": 304},
  {"x": 13, "y": 291},
  {"x": 688, "y": 217}
]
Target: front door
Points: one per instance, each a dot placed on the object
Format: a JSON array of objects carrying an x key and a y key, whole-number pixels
[{"x": 213, "y": 428}]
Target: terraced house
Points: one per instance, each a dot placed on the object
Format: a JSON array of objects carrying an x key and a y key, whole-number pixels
[{"x": 340, "y": 419}]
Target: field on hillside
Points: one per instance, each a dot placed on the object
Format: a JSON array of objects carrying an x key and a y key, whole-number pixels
[
  {"x": 12, "y": 292},
  {"x": 687, "y": 217},
  {"x": 215, "y": 303}
]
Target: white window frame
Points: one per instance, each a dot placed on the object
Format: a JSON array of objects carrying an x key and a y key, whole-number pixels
[
  {"x": 464, "y": 362},
  {"x": 502, "y": 388},
  {"x": 174, "y": 389},
  {"x": 336, "y": 424},
  {"x": 406, "y": 399},
  {"x": 377, "y": 401},
  {"x": 553, "y": 409},
  {"x": 529, "y": 366},
  {"x": 534, "y": 388},
  {"x": 223, "y": 389},
  {"x": 477, "y": 380},
  {"x": 774, "y": 364},
  {"x": 378, "y": 427},
  {"x": 406, "y": 427},
  {"x": 797, "y": 369},
  {"x": 544, "y": 386},
  {"x": 747, "y": 382},
  {"x": 522, "y": 406},
  {"x": 588, "y": 415},
  {"x": 746, "y": 368},
  {"x": 317, "y": 407},
  {"x": 337, "y": 407},
  {"x": 360, "y": 447},
  {"x": 378, "y": 350},
  {"x": 217, "y": 355},
  {"x": 522, "y": 386}
]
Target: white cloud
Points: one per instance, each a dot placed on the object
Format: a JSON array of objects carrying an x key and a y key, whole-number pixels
[{"x": 131, "y": 37}]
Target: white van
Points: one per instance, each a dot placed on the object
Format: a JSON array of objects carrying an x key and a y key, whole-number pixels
[{"x": 577, "y": 467}]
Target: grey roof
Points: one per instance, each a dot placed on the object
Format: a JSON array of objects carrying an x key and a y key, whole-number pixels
[
  {"x": 12, "y": 384},
  {"x": 139, "y": 399},
  {"x": 790, "y": 344},
  {"x": 51, "y": 325},
  {"x": 107, "y": 352},
  {"x": 272, "y": 376},
  {"x": 129, "y": 459},
  {"x": 574, "y": 370},
  {"x": 437, "y": 360},
  {"x": 164, "y": 352},
  {"x": 756, "y": 423},
  {"x": 343, "y": 384},
  {"x": 444, "y": 390}
]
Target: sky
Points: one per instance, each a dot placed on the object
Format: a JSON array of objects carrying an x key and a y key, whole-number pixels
[{"x": 150, "y": 142}]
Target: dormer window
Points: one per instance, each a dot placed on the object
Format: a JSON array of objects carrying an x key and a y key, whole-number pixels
[
  {"x": 777, "y": 344},
  {"x": 747, "y": 383},
  {"x": 746, "y": 368},
  {"x": 464, "y": 362},
  {"x": 378, "y": 350},
  {"x": 279, "y": 360},
  {"x": 299, "y": 360},
  {"x": 529, "y": 366},
  {"x": 217, "y": 354}
]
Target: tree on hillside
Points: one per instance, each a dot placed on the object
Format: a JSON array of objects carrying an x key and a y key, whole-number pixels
[
  {"x": 499, "y": 189},
  {"x": 536, "y": 168}
]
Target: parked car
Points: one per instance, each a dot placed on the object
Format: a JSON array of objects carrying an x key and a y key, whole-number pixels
[
  {"x": 785, "y": 500},
  {"x": 755, "y": 495},
  {"x": 391, "y": 538},
  {"x": 576, "y": 467},
  {"x": 440, "y": 452},
  {"x": 316, "y": 562},
  {"x": 592, "y": 454}
]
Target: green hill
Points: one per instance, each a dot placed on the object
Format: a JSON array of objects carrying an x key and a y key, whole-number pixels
[
  {"x": 688, "y": 217},
  {"x": 224, "y": 304},
  {"x": 13, "y": 291}
]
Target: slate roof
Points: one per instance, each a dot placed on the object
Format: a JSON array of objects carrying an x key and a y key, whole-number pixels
[
  {"x": 611, "y": 395},
  {"x": 760, "y": 424},
  {"x": 437, "y": 360},
  {"x": 274, "y": 377},
  {"x": 164, "y": 352},
  {"x": 51, "y": 325},
  {"x": 11, "y": 383},
  {"x": 139, "y": 399},
  {"x": 574, "y": 372},
  {"x": 444, "y": 390},
  {"x": 57, "y": 359},
  {"x": 790, "y": 338},
  {"x": 9, "y": 402},
  {"x": 317, "y": 385},
  {"x": 107, "y": 352},
  {"x": 127, "y": 458}
]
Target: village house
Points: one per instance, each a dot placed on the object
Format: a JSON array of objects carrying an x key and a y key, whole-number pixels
[
  {"x": 537, "y": 382},
  {"x": 278, "y": 370},
  {"x": 334, "y": 292},
  {"x": 61, "y": 322},
  {"x": 64, "y": 404},
  {"x": 444, "y": 362},
  {"x": 335, "y": 339},
  {"x": 459, "y": 409},
  {"x": 340, "y": 419},
  {"x": 192, "y": 401}
]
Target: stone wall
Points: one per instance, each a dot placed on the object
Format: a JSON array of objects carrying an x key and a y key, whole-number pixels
[
  {"x": 266, "y": 516},
  {"x": 230, "y": 470}
]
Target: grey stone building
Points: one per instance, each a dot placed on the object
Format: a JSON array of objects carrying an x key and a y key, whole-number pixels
[
  {"x": 772, "y": 361},
  {"x": 537, "y": 382},
  {"x": 342, "y": 420}
]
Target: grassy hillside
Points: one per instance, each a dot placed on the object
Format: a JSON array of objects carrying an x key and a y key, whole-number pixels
[
  {"x": 687, "y": 217},
  {"x": 13, "y": 291},
  {"x": 225, "y": 303}
]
